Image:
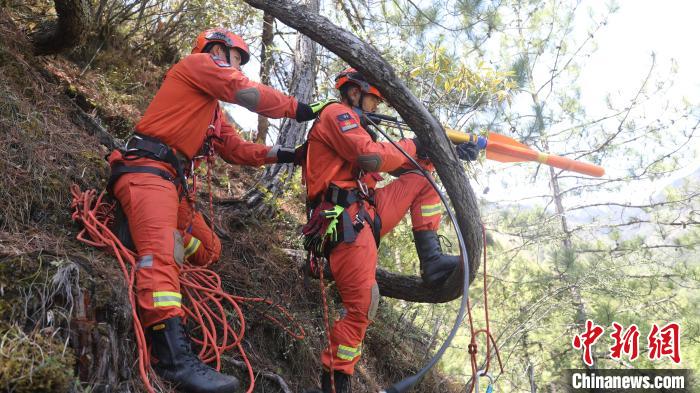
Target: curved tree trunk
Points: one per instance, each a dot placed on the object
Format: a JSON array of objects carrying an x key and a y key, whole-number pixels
[
  {"x": 66, "y": 32},
  {"x": 366, "y": 59},
  {"x": 277, "y": 178}
]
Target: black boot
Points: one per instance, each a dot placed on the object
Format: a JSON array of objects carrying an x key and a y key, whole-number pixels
[
  {"x": 435, "y": 266},
  {"x": 342, "y": 383},
  {"x": 178, "y": 364}
]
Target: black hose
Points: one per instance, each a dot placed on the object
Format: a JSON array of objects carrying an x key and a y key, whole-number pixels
[{"x": 408, "y": 382}]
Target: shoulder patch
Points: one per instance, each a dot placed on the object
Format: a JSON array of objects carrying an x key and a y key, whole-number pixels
[
  {"x": 344, "y": 116},
  {"x": 220, "y": 62},
  {"x": 346, "y": 122}
]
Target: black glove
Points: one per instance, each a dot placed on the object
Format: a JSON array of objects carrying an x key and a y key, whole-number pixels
[
  {"x": 467, "y": 151},
  {"x": 300, "y": 153},
  {"x": 420, "y": 150},
  {"x": 304, "y": 113},
  {"x": 289, "y": 155}
]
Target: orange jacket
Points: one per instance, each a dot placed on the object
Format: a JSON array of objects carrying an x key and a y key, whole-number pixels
[
  {"x": 187, "y": 104},
  {"x": 236, "y": 150},
  {"x": 339, "y": 147}
]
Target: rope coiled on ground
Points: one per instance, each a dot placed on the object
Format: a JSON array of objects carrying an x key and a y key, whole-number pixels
[{"x": 205, "y": 302}]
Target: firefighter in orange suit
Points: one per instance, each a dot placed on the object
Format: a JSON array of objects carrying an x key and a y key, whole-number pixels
[
  {"x": 341, "y": 168},
  {"x": 183, "y": 122}
]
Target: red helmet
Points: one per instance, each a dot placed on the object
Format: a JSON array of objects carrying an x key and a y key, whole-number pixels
[
  {"x": 350, "y": 75},
  {"x": 223, "y": 36}
]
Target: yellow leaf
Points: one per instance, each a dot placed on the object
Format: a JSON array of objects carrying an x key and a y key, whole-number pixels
[{"x": 414, "y": 72}]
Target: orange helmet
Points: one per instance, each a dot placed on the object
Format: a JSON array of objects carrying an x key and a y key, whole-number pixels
[
  {"x": 350, "y": 75},
  {"x": 222, "y": 36}
]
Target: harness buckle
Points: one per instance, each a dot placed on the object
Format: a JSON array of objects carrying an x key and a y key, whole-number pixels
[
  {"x": 362, "y": 189},
  {"x": 128, "y": 142}
]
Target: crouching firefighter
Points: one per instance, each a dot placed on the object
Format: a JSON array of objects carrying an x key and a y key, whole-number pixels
[
  {"x": 348, "y": 215},
  {"x": 183, "y": 123}
]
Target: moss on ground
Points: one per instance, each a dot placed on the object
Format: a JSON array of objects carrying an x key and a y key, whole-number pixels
[{"x": 34, "y": 362}]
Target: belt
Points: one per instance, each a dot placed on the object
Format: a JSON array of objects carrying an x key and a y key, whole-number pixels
[
  {"x": 345, "y": 198},
  {"x": 144, "y": 146}
]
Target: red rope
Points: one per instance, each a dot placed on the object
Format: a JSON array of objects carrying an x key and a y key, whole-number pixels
[
  {"x": 206, "y": 302},
  {"x": 473, "y": 348}
]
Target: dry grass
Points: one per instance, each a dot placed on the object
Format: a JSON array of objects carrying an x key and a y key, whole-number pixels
[
  {"x": 41, "y": 150},
  {"x": 393, "y": 348}
]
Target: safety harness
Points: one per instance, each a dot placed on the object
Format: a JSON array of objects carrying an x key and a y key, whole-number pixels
[
  {"x": 144, "y": 146},
  {"x": 328, "y": 217},
  {"x": 330, "y": 210}
]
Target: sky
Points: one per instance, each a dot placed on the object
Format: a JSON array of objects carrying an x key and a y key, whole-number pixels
[
  {"x": 621, "y": 61},
  {"x": 639, "y": 28},
  {"x": 623, "y": 57}
]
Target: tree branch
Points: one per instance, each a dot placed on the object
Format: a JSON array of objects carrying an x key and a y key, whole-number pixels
[{"x": 367, "y": 60}]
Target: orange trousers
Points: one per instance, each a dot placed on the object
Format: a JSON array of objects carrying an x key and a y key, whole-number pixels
[
  {"x": 167, "y": 232},
  {"x": 354, "y": 264}
]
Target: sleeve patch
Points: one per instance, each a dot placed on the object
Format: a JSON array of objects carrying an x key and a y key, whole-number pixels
[
  {"x": 220, "y": 62},
  {"x": 346, "y": 122}
]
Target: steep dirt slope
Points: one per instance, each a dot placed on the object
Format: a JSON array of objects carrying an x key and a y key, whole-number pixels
[{"x": 65, "y": 319}]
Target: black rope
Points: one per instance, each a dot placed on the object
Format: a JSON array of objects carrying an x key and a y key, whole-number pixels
[{"x": 408, "y": 382}]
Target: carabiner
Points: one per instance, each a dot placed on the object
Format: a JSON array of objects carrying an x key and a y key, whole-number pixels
[
  {"x": 482, "y": 373},
  {"x": 362, "y": 186}
]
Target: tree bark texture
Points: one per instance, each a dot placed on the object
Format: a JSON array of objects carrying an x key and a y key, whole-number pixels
[
  {"x": 64, "y": 33},
  {"x": 367, "y": 59},
  {"x": 265, "y": 68},
  {"x": 278, "y": 177}
]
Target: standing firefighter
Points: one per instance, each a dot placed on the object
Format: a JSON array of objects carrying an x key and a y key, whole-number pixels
[
  {"x": 341, "y": 170},
  {"x": 183, "y": 122}
]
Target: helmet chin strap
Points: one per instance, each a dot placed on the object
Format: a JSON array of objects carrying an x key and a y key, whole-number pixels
[
  {"x": 363, "y": 119},
  {"x": 208, "y": 47},
  {"x": 359, "y": 111}
]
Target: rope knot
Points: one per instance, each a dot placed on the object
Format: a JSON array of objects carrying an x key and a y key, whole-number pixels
[{"x": 472, "y": 348}]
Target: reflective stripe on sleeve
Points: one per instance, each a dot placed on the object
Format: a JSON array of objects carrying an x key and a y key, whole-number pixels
[{"x": 430, "y": 210}]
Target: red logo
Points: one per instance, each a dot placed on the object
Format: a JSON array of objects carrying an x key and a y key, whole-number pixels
[
  {"x": 587, "y": 339},
  {"x": 665, "y": 342},
  {"x": 627, "y": 343}
]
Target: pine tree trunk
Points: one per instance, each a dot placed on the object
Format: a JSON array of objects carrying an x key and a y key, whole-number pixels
[
  {"x": 66, "y": 32},
  {"x": 278, "y": 177},
  {"x": 366, "y": 59},
  {"x": 577, "y": 299},
  {"x": 265, "y": 69},
  {"x": 530, "y": 369}
]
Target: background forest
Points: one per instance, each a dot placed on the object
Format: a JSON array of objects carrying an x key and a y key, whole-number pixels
[{"x": 561, "y": 248}]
